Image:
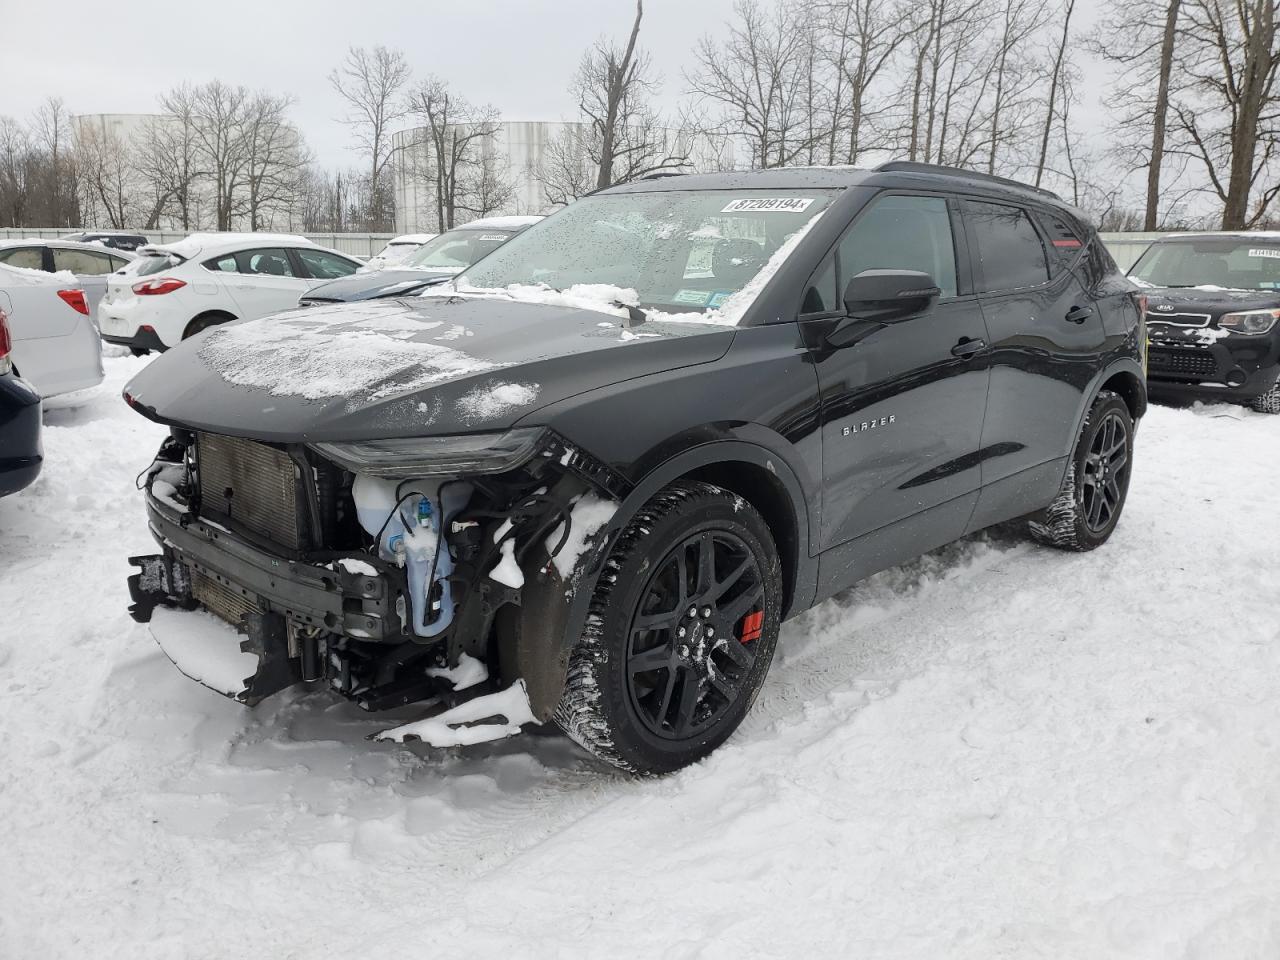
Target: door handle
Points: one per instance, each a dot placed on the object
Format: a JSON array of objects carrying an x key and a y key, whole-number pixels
[
  {"x": 968, "y": 346},
  {"x": 1079, "y": 314}
]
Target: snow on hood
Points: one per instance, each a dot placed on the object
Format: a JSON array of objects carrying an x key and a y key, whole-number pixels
[
  {"x": 342, "y": 351},
  {"x": 606, "y": 298}
]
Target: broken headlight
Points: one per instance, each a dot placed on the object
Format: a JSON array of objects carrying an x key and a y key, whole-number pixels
[{"x": 461, "y": 455}]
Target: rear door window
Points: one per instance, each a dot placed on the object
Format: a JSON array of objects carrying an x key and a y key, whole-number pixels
[
  {"x": 271, "y": 262},
  {"x": 1065, "y": 241},
  {"x": 322, "y": 265},
  {"x": 1010, "y": 254},
  {"x": 82, "y": 262},
  {"x": 29, "y": 258}
]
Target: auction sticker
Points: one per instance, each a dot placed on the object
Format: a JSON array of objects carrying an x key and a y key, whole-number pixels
[
  {"x": 768, "y": 205},
  {"x": 1273, "y": 252}
]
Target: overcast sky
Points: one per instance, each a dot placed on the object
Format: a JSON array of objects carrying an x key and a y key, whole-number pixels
[{"x": 518, "y": 56}]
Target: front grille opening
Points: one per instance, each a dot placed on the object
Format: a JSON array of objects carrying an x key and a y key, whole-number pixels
[{"x": 1182, "y": 363}]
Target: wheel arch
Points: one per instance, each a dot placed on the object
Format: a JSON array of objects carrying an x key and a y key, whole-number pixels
[
  {"x": 226, "y": 316},
  {"x": 755, "y": 473}
]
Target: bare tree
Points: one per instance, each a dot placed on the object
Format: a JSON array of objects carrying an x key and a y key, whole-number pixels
[
  {"x": 56, "y": 174},
  {"x": 457, "y": 159},
  {"x": 276, "y": 161},
  {"x": 1055, "y": 81},
  {"x": 372, "y": 83},
  {"x": 168, "y": 158},
  {"x": 1228, "y": 110},
  {"x": 758, "y": 78},
  {"x": 108, "y": 176}
]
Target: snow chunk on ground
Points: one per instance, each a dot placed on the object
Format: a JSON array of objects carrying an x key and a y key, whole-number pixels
[
  {"x": 319, "y": 355},
  {"x": 204, "y": 648},
  {"x": 495, "y": 399},
  {"x": 590, "y": 513},
  {"x": 467, "y": 673},
  {"x": 507, "y": 571},
  {"x": 449, "y": 728}
]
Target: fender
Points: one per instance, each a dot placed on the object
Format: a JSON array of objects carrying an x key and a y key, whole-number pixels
[
  {"x": 549, "y": 627},
  {"x": 1124, "y": 363}
]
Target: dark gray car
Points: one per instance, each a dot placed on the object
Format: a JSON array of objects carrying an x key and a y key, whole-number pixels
[{"x": 439, "y": 259}]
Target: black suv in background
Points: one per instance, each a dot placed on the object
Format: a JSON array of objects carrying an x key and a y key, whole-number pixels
[
  {"x": 597, "y": 471},
  {"x": 117, "y": 239},
  {"x": 1212, "y": 312}
]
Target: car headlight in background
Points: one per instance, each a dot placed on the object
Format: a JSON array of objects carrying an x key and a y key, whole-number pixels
[
  {"x": 1249, "y": 321},
  {"x": 455, "y": 456}
]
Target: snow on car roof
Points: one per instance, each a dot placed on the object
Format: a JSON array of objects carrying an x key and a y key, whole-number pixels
[
  {"x": 188, "y": 247},
  {"x": 68, "y": 245},
  {"x": 411, "y": 238}
]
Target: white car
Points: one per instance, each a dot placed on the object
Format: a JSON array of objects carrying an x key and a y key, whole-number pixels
[
  {"x": 91, "y": 263},
  {"x": 397, "y": 250},
  {"x": 175, "y": 290},
  {"x": 55, "y": 343}
]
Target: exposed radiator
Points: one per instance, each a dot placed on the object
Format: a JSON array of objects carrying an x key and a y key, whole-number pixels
[
  {"x": 219, "y": 599},
  {"x": 252, "y": 484}
]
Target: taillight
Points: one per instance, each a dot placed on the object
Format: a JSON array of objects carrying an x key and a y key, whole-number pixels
[
  {"x": 6, "y": 344},
  {"x": 75, "y": 300},
  {"x": 151, "y": 288}
]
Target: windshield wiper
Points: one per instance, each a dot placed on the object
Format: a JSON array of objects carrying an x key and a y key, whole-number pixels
[{"x": 635, "y": 316}]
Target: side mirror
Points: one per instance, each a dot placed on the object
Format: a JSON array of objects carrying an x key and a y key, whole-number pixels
[{"x": 887, "y": 296}]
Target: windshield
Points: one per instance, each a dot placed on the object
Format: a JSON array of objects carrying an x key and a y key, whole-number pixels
[
  {"x": 680, "y": 250},
  {"x": 1237, "y": 263},
  {"x": 149, "y": 264},
  {"x": 457, "y": 249}
]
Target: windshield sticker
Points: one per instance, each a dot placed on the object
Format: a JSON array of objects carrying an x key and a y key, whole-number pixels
[
  {"x": 1272, "y": 252},
  {"x": 696, "y": 297},
  {"x": 493, "y": 236},
  {"x": 768, "y": 205},
  {"x": 719, "y": 297}
]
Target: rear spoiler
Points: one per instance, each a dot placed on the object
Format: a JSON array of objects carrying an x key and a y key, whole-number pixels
[{"x": 161, "y": 250}]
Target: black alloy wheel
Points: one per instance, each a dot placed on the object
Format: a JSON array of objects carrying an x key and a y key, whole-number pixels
[
  {"x": 1106, "y": 472},
  {"x": 693, "y": 637},
  {"x": 682, "y": 626}
]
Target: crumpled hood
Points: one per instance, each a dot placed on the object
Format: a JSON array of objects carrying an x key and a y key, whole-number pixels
[
  {"x": 1177, "y": 302},
  {"x": 391, "y": 282},
  {"x": 404, "y": 368}
]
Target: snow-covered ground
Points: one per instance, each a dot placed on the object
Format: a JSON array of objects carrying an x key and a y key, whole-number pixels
[{"x": 995, "y": 751}]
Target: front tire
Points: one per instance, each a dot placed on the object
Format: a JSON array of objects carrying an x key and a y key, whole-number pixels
[
  {"x": 1088, "y": 506},
  {"x": 680, "y": 635},
  {"x": 1268, "y": 402}
]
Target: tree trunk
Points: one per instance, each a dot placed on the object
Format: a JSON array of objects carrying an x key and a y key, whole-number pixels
[
  {"x": 1053, "y": 92},
  {"x": 1160, "y": 116}
]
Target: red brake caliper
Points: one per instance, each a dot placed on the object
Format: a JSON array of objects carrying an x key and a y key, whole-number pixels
[{"x": 752, "y": 626}]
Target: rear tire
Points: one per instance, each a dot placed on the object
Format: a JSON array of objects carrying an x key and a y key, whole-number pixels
[
  {"x": 1088, "y": 506},
  {"x": 680, "y": 634},
  {"x": 1268, "y": 402},
  {"x": 204, "y": 322}
]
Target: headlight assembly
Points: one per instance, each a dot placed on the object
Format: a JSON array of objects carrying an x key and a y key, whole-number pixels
[
  {"x": 454, "y": 456},
  {"x": 1252, "y": 322}
]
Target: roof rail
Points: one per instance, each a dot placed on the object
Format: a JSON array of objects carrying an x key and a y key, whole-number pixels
[{"x": 911, "y": 166}]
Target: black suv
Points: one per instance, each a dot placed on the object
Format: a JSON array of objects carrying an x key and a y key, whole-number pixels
[
  {"x": 1212, "y": 312},
  {"x": 602, "y": 466}
]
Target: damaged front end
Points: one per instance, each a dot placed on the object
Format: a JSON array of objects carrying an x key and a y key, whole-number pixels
[{"x": 396, "y": 571}]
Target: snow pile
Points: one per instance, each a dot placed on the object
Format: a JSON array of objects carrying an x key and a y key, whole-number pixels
[
  {"x": 36, "y": 277},
  {"x": 507, "y": 571},
  {"x": 589, "y": 515},
  {"x": 496, "y": 399},
  {"x": 322, "y": 354},
  {"x": 461, "y": 726},
  {"x": 466, "y": 674},
  {"x": 204, "y": 648}
]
